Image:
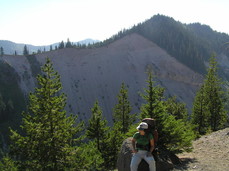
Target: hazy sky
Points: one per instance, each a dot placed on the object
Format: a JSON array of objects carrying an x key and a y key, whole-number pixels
[{"x": 42, "y": 22}]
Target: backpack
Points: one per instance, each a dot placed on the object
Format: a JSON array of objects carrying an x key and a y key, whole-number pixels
[{"x": 151, "y": 129}]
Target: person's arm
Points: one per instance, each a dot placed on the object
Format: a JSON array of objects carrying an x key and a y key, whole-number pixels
[
  {"x": 149, "y": 154},
  {"x": 151, "y": 145},
  {"x": 133, "y": 144}
]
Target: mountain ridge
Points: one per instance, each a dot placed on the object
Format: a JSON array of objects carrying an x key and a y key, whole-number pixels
[
  {"x": 183, "y": 41},
  {"x": 10, "y": 47}
]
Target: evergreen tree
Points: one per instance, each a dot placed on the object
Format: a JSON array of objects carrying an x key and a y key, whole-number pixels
[
  {"x": 15, "y": 53},
  {"x": 61, "y": 45},
  {"x": 176, "y": 108},
  {"x": 209, "y": 106},
  {"x": 2, "y": 109},
  {"x": 50, "y": 48},
  {"x": 1, "y": 51},
  {"x": 97, "y": 127},
  {"x": 68, "y": 44},
  {"x": 121, "y": 111},
  {"x": 7, "y": 164},
  {"x": 153, "y": 97},
  {"x": 214, "y": 97},
  {"x": 38, "y": 51},
  {"x": 47, "y": 141},
  {"x": 87, "y": 157},
  {"x": 200, "y": 115},
  {"x": 111, "y": 146},
  {"x": 174, "y": 135},
  {"x": 25, "y": 51},
  {"x": 2, "y": 105}
]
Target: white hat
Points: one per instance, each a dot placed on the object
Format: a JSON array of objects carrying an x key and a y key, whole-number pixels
[{"x": 142, "y": 126}]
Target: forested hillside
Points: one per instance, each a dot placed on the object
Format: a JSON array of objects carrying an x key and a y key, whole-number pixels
[
  {"x": 191, "y": 44},
  {"x": 96, "y": 71},
  {"x": 153, "y": 69}
]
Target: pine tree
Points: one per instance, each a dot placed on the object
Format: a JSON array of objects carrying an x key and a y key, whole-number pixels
[
  {"x": 174, "y": 135},
  {"x": 7, "y": 164},
  {"x": 68, "y": 44},
  {"x": 61, "y": 45},
  {"x": 48, "y": 133},
  {"x": 200, "y": 115},
  {"x": 209, "y": 108},
  {"x": 121, "y": 111},
  {"x": 87, "y": 157},
  {"x": 111, "y": 146},
  {"x": 153, "y": 96},
  {"x": 50, "y": 49},
  {"x": 2, "y": 109},
  {"x": 214, "y": 97},
  {"x": 38, "y": 51},
  {"x": 97, "y": 127},
  {"x": 2, "y": 105},
  {"x": 1, "y": 51},
  {"x": 25, "y": 51},
  {"x": 177, "y": 109}
]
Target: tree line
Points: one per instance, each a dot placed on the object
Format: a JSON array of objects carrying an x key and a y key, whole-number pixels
[
  {"x": 55, "y": 140},
  {"x": 60, "y": 45}
]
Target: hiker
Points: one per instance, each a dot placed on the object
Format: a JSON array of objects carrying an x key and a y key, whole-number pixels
[{"x": 143, "y": 146}]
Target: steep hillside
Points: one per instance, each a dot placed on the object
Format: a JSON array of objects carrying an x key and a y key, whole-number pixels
[
  {"x": 210, "y": 153},
  {"x": 97, "y": 73}
]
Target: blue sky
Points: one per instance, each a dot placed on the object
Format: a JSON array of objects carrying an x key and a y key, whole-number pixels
[{"x": 42, "y": 22}]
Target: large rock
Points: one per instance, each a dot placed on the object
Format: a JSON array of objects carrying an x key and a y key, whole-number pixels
[{"x": 165, "y": 160}]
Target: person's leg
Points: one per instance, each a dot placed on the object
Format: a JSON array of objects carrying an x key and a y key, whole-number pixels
[
  {"x": 150, "y": 160},
  {"x": 136, "y": 159}
]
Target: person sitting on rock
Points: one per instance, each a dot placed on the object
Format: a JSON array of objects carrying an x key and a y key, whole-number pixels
[{"x": 143, "y": 146}]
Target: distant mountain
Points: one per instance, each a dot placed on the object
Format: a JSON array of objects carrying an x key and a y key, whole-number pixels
[
  {"x": 87, "y": 41},
  {"x": 191, "y": 44},
  {"x": 10, "y": 47}
]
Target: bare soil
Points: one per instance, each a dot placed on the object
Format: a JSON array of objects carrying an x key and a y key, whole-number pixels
[{"x": 210, "y": 153}]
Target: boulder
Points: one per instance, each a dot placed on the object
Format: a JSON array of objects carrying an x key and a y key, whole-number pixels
[{"x": 165, "y": 160}]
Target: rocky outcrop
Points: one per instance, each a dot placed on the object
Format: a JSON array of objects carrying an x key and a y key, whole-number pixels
[{"x": 165, "y": 160}]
